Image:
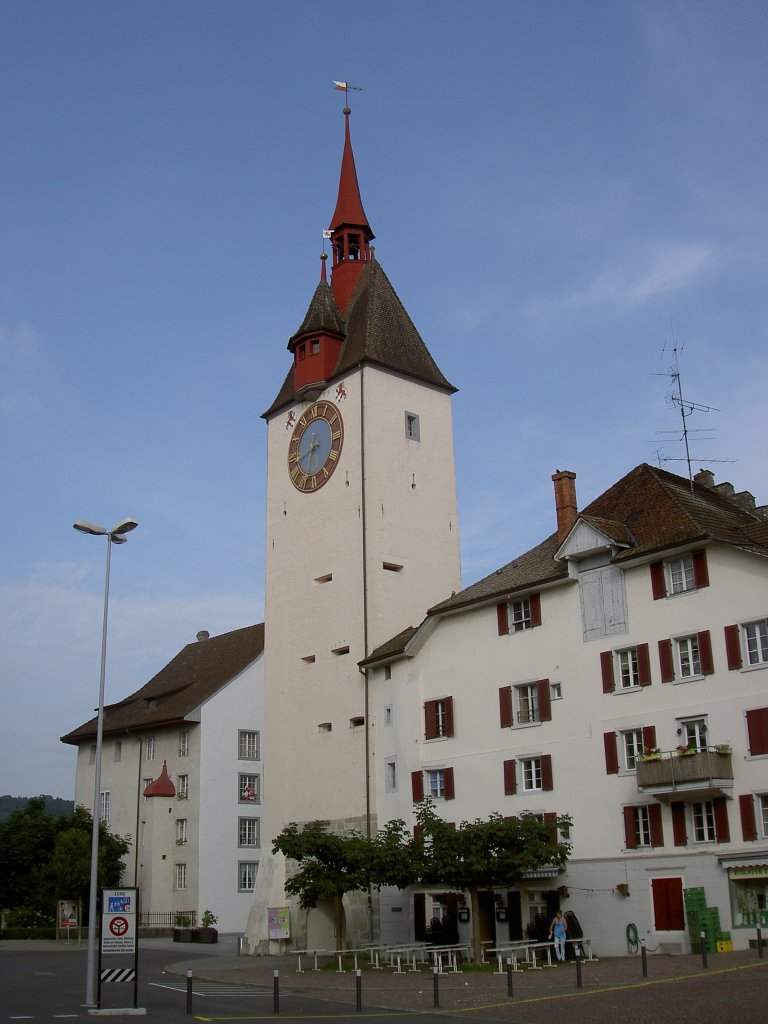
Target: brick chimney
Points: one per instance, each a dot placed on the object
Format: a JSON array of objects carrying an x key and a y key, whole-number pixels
[{"x": 565, "y": 502}]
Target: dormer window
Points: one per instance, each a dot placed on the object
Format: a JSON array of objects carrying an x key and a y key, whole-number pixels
[
  {"x": 301, "y": 352},
  {"x": 314, "y": 346}
]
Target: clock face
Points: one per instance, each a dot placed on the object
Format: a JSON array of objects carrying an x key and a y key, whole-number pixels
[{"x": 315, "y": 446}]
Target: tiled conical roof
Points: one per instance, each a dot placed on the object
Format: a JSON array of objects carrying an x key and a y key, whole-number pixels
[{"x": 162, "y": 785}]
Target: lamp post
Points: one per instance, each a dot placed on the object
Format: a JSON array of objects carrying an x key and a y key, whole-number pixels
[{"x": 114, "y": 536}]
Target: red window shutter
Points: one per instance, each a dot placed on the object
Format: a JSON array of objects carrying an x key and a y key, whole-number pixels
[
  {"x": 503, "y": 617},
  {"x": 732, "y": 647},
  {"x": 510, "y": 778},
  {"x": 748, "y": 821},
  {"x": 705, "y": 653},
  {"x": 417, "y": 786},
  {"x": 611, "y": 753},
  {"x": 700, "y": 571},
  {"x": 449, "y": 716},
  {"x": 546, "y": 772},
  {"x": 505, "y": 706},
  {"x": 679, "y": 830},
  {"x": 666, "y": 661},
  {"x": 654, "y": 818},
  {"x": 757, "y": 731},
  {"x": 643, "y": 665},
  {"x": 606, "y": 668},
  {"x": 450, "y": 792},
  {"x": 534, "y": 604},
  {"x": 419, "y": 916},
  {"x": 630, "y": 832},
  {"x": 550, "y": 818},
  {"x": 418, "y": 832},
  {"x": 658, "y": 584},
  {"x": 722, "y": 829},
  {"x": 649, "y": 736},
  {"x": 545, "y": 704},
  {"x": 430, "y": 719}
]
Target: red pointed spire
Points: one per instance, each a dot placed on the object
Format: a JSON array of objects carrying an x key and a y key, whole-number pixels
[{"x": 351, "y": 233}]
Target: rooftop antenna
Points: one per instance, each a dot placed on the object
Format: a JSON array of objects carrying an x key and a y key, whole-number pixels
[{"x": 676, "y": 399}]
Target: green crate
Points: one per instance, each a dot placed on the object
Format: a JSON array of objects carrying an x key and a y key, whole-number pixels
[{"x": 691, "y": 895}]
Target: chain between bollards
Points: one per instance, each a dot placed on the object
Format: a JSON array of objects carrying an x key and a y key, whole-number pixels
[
  {"x": 509, "y": 977},
  {"x": 276, "y": 991},
  {"x": 359, "y": 990},
  {"x": 644, "y": 957},
  {"x": 189, "y": 993},
  {"x": 436, "y": 986}
]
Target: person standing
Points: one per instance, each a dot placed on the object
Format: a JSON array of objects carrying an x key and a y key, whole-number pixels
[{"x": 558, "y": 930}]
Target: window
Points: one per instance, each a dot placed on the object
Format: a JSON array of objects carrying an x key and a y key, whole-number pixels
[
  {"x": 632, "y": 748},
  {"x": 150, "y": 748},
  {"x": 436, "y": 778},
  {"x": 519, "y": 615},
  {"x": 181, "y": 876},
  {"x": 118, "y": 751},
  {"x": 105, "y": 806},
  {"x": 387, "y": 671},
  {"x": 754, "y": 816},
  {"x": 531, "y": 772},
  {"x": 181, "y": 831},
  {"x": 525, "y": 703},
  {"x": 440, "y": 785},
  {"x": 693, "y": 733},
  {"x": 438, "y": 718},
  {"x": 680, "y": 575},
  {"x": 92, "y": 754},
  {"x": 556, "y": 691},
  {"x": 756, "y": 639},
  {"x": 146, "y": 782},
  {"x": 357, "y": 722},
  {"x": 314, "y": 346},
  {"x": 248, "y": 745},
  {"x": 412, "y": 431},
  {"x": 763, "y": 805},
  {"x": 247, "y": 831},
  {"x": 686, "y": 657},
  {"x": 704, "y": 822},
  {"x": 603, "y": 598},
  {"x": 246, "y": 875},
  {"x": 248, "y": 788},
  {"x": 390, "y": 775},
  {"x": 388, "y": 715},
  {"x": 631, "y": 666},
  {"x": 642, "y": 826},
  {"x": 184, "y": 744},
  {"x": 325, "y": 727},
  {"x": 182, "y": 789}
]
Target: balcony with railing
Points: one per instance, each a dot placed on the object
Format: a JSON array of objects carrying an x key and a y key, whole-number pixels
[{"x": 705, "y": 773}]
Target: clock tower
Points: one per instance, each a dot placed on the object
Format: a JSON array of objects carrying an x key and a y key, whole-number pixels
[{"x": 362, "y": 537}]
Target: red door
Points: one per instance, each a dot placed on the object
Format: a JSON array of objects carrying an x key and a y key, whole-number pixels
[{"x": 668, "y": 915}]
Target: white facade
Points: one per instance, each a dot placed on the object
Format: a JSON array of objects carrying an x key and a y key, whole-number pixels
[
  {"x": 462, "y": 657},
  {"x": 199, "y": 848}
]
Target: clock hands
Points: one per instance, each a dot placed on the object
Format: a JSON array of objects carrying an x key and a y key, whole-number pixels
[{"x": 314, "y": 444}]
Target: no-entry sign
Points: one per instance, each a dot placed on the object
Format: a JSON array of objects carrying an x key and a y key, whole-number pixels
[{"x": 118, "y": 921}]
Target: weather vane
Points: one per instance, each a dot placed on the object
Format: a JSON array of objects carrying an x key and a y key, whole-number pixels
[{"x": 345, "y": 87}]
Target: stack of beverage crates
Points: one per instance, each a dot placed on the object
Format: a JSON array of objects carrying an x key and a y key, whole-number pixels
[{"x": 702, "y": 918}]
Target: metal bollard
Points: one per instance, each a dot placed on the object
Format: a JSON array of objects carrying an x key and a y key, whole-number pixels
[
  {"x": 760, "y": 942},
  {"x": 359, "y": 990},
  {"x": 644, "y": 957},
  {"x": 579, "y": 982},
  {"x": 276, "y": 992},
  {"x": 189, "y": 993},
  {"x": 703, "y": 937},
  {"x": 509, "y": 977},
  {"x": 436, "y": 986}
]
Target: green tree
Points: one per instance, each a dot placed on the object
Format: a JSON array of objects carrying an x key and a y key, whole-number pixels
[
  {"x": 484, "y": 853},
  {"x": 331, "y": 865},
  {"x": 44, "y": 858}
]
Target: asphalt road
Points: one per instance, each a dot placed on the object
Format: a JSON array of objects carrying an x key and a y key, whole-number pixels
[{"x": 45, "y": 985}]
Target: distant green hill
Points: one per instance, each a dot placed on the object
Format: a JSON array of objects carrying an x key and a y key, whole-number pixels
[{"x": 54, "y": 805}]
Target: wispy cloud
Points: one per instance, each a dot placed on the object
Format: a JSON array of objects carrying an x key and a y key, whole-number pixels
[
  {"x": 21, "y": 351},
  {"x": 669, "y": 267}
]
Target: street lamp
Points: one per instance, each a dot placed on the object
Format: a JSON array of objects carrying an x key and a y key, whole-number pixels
[{"x": 114, "y": 536}]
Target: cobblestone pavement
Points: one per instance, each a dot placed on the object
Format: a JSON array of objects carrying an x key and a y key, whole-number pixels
[{"x": 678, "y": 989}]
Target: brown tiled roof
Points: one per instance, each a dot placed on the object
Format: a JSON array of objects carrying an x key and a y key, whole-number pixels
[
  {"x": 197, "y": 672},
  {"x": 649, "y": 509},
  {"x": 323, "y": 314},
  {"x": 378, "y": 331},
  {"x": 392, "y": 647}
]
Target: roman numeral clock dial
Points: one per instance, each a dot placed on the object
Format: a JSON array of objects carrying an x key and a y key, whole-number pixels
[{"x": 315, "y": 446}]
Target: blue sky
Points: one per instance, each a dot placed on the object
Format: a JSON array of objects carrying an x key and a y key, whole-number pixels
[{"x": 558, "y": 190}]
